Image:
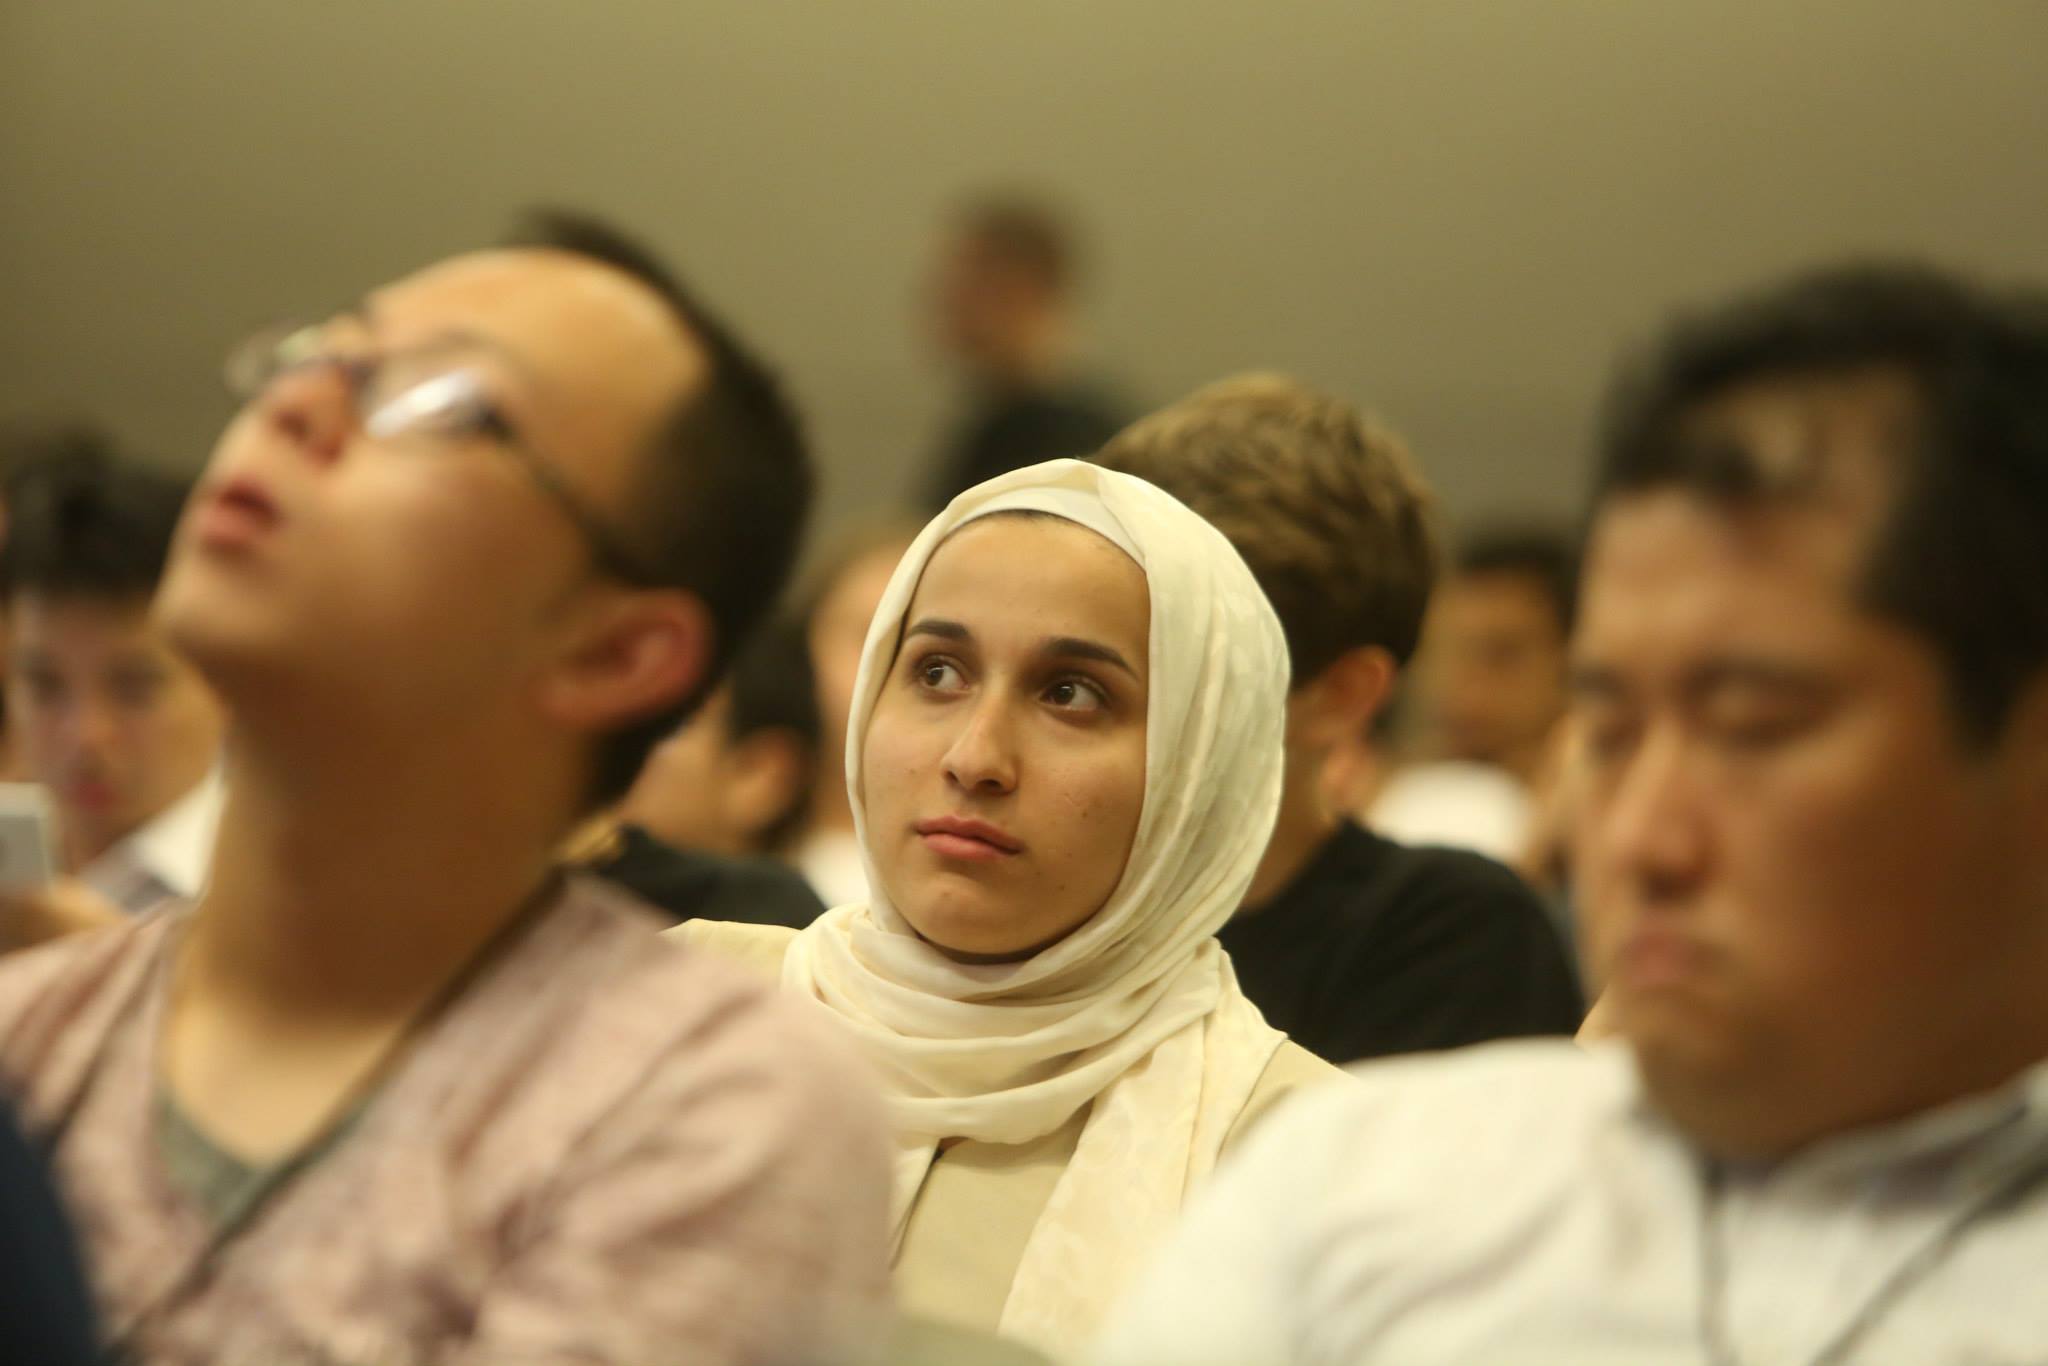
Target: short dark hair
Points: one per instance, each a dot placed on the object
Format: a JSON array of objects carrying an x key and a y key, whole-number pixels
[
  {"x": 1959, "y": 555},
  {"x": 773, "y": 688},
  {"x": 1323, "y": 503},
  {"x": 1027, "y": 233},
  {"x": 725, "y": 487},
  {"x": 1545, "y": 557},
  {"x": 84, "y": 522}
]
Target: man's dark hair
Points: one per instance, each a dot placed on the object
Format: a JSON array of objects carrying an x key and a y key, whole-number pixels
[
  {"x": 1959, "y": 555},
  {"x": 82, "y": 522},
  {"x": 1543, "y": 557},
  {"x": 724, "y": 490},
  {"x": 773, "y": 689}
]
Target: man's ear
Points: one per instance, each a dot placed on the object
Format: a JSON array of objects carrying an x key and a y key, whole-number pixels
[
  {"x": 1339, "y": 703},
  {"x": 628, "y": 657}
]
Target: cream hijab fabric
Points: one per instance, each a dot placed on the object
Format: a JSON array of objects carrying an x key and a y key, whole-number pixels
[{"x": 1137, "y": 1011}]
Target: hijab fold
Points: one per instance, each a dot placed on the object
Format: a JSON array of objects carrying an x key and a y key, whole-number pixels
[{"x": 1136, "y": 1015}]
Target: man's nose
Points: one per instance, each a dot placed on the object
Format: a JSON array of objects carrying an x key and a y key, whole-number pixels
[
  {"x": 313, "y": 407},
  {"x": 93, "y": 727},
  {"x": 1651, "y": 829}
]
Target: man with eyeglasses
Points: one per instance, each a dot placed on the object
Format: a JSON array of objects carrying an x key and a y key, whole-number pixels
[{"x": 393, "y": 1090}]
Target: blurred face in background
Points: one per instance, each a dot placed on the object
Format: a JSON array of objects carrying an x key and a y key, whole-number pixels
[
  {"x": 985, "y": 308},
  {"x": 1004, "y": 763},
  {"x": 706, "y": 787},
  {"x": 106, "y": 715},
  {"x": 838, "y": 630},
  {"x": 1813, "y": 901},
  {"x": 1491, "y": 674}
]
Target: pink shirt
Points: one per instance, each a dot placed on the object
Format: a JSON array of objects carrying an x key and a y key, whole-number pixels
[{"x": 611, "y": 1149}]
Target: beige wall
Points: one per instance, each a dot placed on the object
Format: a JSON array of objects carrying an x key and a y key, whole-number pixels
[{"x": 1454, "y": 211}]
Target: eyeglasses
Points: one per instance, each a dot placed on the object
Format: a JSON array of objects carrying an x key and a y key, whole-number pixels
[{"x": 439, "y": 392}]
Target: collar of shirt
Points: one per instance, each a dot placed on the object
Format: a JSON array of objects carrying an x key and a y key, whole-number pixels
[
  {"x": 168, "y": 856},
  {"x": 1971, "y": 1141}
]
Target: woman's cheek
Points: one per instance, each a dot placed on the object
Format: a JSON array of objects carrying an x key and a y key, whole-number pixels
[{"x": 883, "y": 758}]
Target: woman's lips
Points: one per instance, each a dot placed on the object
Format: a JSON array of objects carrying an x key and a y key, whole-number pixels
[
  {"x": 956, "y": 837},
  {"x": 964, "y": 847}
]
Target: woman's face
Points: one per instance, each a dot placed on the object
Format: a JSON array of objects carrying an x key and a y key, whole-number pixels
[{"x": 1004, "y": 768}]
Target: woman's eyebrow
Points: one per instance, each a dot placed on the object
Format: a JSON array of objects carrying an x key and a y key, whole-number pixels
[
  {"x": 937, "y": 626},
  {"x": 1073, "y": 647}
]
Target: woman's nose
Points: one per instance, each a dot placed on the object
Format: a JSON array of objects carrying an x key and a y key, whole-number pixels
[{"x": 983, "y": 753}]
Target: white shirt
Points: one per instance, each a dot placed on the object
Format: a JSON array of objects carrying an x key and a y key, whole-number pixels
[
  {"x": 169, "y": 856},
  {"x": 1458, "y": 804},
  {"x": 1521, "y": 1203},
  {"x": 830, "y": 861}
]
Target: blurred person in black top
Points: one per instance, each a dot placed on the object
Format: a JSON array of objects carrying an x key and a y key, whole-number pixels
[
  {"x": 1486, "y": 701},
  {"x": 1001, "y": 303},
  {"x": 1354, "y": 945},
  {"x": 716, "y": 801},
  {"x": 46, "y": 1316}
]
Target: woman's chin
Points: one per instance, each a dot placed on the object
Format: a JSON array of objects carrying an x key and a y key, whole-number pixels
[
  {"x": 983, "y": 935},
  {"x": 967, "y": 937}
]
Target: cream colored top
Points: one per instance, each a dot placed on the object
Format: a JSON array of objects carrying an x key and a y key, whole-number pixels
[
  {"x": 980, "y": 1201},
  {"x": 1136, "y": 1016}
]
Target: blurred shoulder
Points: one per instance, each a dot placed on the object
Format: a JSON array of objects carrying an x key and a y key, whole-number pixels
[
  {"x": 1535, "y": 1105},
  {"x": 690, "y": 1000},
  {"x": 53, "y": 983},
  {"x": 758, "y": 948},
  {"x": 1293, "y": 1071}
]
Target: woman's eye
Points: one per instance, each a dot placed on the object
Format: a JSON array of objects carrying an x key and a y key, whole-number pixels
[
  {"x": 1074, "y": 694},
  {"x": 938, "y": 675}
]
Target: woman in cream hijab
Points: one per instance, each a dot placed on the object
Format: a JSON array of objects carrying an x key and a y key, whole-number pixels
[{"x": 1064, "y": 760}]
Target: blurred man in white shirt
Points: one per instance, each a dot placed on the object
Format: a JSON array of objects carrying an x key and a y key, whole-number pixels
[{"x": 1811, "y": 684}]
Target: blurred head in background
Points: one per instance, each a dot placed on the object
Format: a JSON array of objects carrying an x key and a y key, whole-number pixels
[
  {"x": 1335, "y": 523},
  {"x": 843, "y": 595},
  {"x": 1491, "y": 680},
  {"x": 24, "y": 445},
  {"x": 1001, "y": 300},
  {"x": 105, "y": 713},
  {"x": 835, "y": 609},
  {"x": 1000, "y": 291},
  {"x": 1811, "y": 684},
  {"x": 736, "y": 779}
]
